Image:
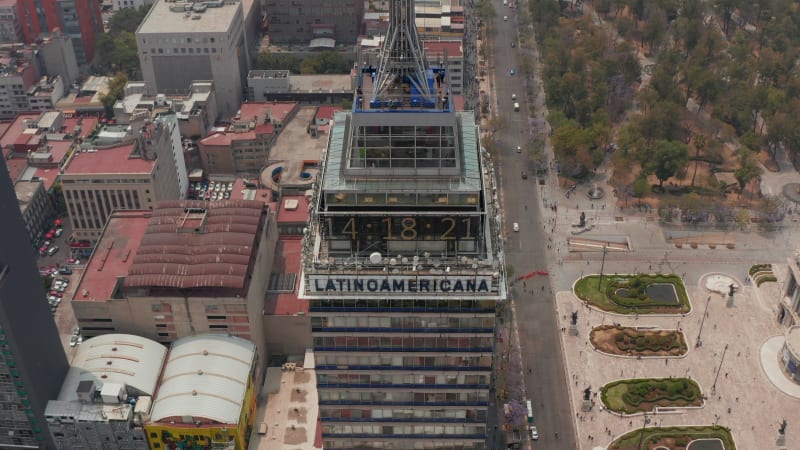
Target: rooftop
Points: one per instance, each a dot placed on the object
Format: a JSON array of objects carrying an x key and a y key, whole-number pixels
[
  {"x": 285, "y": 263},
  {"x": 16, "y": 128},
  {"x": 25, "y": 191},
  {"x": 112, "y": 255},
  {"x": 205, "y": 377},
  {"x": 292, "y": 410},
  {"x": 15, "y": 167},
  {"x": 196, "y": 244},
  {"x": 274, "y": 112},
  {"x": 114, "y": 160},
  {"x": 132, "y": 361},
  {"x": 48, "y": 175},
  {"x": 453, "y": 49},
  {"x": 163, "y": 20},
  {"x": 293, "y": 209}
]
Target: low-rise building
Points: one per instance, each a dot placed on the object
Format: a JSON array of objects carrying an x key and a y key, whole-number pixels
[
  {"x": 55, "y": 55},
  {"x": 107, "y": 394},
  {"x": 10, "y": 25},
  {"x": 195, "y": 109},
  {"x": 206, "y": 398},
  {"x": 122, "y": 170},
  {"x": 86, "y": 98},
  {"x": 281, "y": 85},
  {"x": 291, "y": 416},
  {"x": 186, "y": 267},
  {"x": 244, "y": 146}
]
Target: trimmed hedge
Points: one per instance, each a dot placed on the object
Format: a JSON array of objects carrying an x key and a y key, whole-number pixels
[
  {"x": 760, "y": 267},
  {"x": 605, "y": 295},
  {"x": 683, "y": 435},
  {"x": 671, "y": 392}
]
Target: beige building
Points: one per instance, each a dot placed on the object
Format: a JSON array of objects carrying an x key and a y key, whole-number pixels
[
  {"x": 134, "y": 174},
  {"x": 185, "y": 268},
  {"x": 244, "y": 146}
]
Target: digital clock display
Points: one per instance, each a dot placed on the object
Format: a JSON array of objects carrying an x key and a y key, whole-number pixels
[{"x": 367, "y": 231}]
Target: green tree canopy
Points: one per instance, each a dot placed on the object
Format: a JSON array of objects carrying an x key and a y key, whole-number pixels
[{"x": 665, "y": 159}]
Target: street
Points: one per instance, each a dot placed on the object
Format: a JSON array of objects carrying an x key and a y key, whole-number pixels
[{"x": 533, "y": 300}]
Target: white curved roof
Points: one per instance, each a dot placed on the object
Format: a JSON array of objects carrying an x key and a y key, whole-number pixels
[
  {"x": 116, "y": 358},
  {"x": 205, "y": 377}
]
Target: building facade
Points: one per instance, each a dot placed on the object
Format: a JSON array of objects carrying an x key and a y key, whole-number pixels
[
  {"x": 33, "y": 363},
  {"x": 302, "y": 21},
  {"x": 178, "y": 44},
  {"x": 244, "y": 147},
  {"x": 10, "y": 26},
  {"x": 55, "y": 55},
  {"x": 134, "y": 175},
  {"x": 78, "y": 19}
]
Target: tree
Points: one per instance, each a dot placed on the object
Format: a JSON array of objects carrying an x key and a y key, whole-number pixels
[
  {"x": 699, "y": 145},
  {"x": 117, "y": 49},
  {"x": 116, "y": 88},
  {"x": 666, "y": 158},
  {"x": 640, "y": 187},
  {"x": 748, "y": 169}
]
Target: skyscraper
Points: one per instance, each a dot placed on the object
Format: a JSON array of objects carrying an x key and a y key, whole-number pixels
[
  {"x": 32, "y": 362},
  {"x": 402, "y": 262}
]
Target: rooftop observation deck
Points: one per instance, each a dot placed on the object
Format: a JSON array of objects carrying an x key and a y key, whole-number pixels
[{"x": 402, "y": 95}]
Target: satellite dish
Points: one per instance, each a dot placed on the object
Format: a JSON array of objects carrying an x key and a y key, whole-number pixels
[
  {"x": 405, "y": 260},
  {"x": 375, "y": 258},
  {"x": 392, "y": 261},
  {"x": 435, "y": 263},
  {"x": 416, "y": 259}
]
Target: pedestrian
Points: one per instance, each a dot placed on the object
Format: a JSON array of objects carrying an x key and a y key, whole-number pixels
[{"x": 556, "y": 433}]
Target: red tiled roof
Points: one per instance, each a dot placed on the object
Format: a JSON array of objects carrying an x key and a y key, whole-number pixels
[
  {"x": 173, "y": 254},
  {"x": 453, "y": 48},
  {"x": 299, "y": 214},
  {"x": 113, "y": 255},
  {"x": 15, "y": 128},
  {"x": 326, "y": 112},
  {"x": 287, "y": 260},
  {"x": 59, "y": 149},
  {"x": 48, "y": 175},
  {"x": 278, "y": 111},
  {"x": 15, "y": 167},
  {"x": 114, "y": 160}
]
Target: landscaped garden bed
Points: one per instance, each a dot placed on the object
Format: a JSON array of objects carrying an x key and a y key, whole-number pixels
[
  {"x": 627, "y": 341},
  {"x": 673, "y": 438},
  {"x": 645, "y": 394},
  {"x": 762, "y": 273},
  {"x": 635, "y": 294}
]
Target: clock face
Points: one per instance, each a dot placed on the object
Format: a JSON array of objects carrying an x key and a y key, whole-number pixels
[{"x": 375, "y": 233}]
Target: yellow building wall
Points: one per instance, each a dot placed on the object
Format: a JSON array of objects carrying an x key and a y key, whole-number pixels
[{"x": 161, "y": 435}]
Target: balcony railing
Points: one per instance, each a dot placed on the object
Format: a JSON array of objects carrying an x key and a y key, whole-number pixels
[
  {"x": 400, "y": 330},
  {"x": 404, "y": 349},
  {"x": 400, "y": 386},
  {"x": 385, "y": 403},
  {"x": 349, "y": 367}
]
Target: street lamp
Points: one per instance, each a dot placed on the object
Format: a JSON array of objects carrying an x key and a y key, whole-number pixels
[
  {"x": 602, "y": 264},
  {"x": 644, "y": 427},
  {"x": 705, "y": 313},
  {"x": 721, "y": 360}
]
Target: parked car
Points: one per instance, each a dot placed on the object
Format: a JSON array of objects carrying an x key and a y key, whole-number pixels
[
  {"x": 65, "y": 271},
  {"x": 534, "y": 433},
  {"x": 73, "y": 340},
  {"x": 76, "y": 330},
  {"x": 52, "y": 250},
  {"x": 516, "y": 226},
  {"x": 59, "y": 232}
]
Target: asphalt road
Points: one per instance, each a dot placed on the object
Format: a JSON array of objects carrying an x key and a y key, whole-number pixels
[{"x": 526, "y": 250}]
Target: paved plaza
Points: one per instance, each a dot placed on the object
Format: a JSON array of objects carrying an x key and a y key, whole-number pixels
[{"x": 746, "y": 399}]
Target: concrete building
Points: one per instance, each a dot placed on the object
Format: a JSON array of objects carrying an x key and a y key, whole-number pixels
[
  {"x": 206, "y": 398},
  {"x": 195, "y": 109},
  {"x": 244, "y": 146},
  {"x": 178, "y": 44},
  {"x": 35, "y": 205},
  {"x": 184, "y": 268},
  {"x": 304, "y": 21},
  {"x": 86, "y": 100},
  {"x": 106, "y": 395},
  {"x": 104, "y": 174},
  {"x": 291, "y": 416},
  {"x": 281, "y": 85},
  {"x": 78, "y": 19},
  {"x": 116, "y": 5},
  {"x": 403, "y": 262},
  {"x": 10, "y": 25},
  {"x": 55, "y": 55},
  {"x": 33, "y": 363}
]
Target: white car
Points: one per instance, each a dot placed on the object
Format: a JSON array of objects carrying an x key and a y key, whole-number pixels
[
  {"x": 534, "y": 433},
  {"x": 515, "y": 226},
  {"x": 73, "y": 341},
  {"x": 513, "y": 97},
  {"x": 505, "y": 18},
  {"x": 519, "y": 149}
]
